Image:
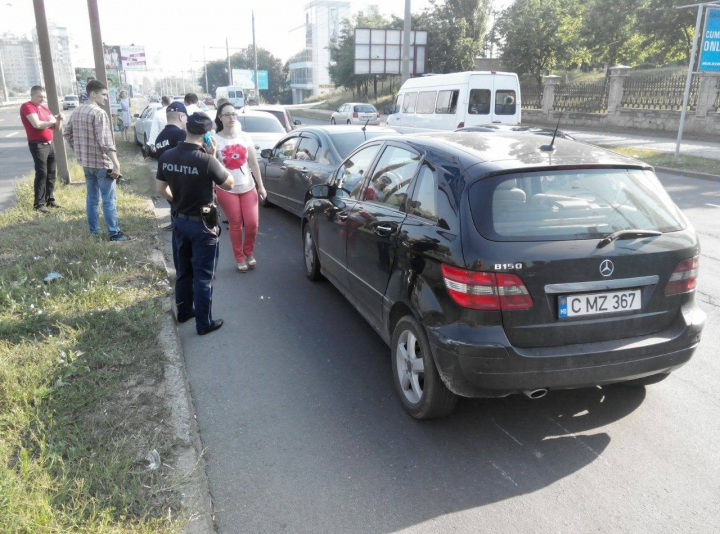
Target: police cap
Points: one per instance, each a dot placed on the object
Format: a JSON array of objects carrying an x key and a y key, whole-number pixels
[
  {"x": 177, "y": 106},
  {"x": 199, "y": 123}
]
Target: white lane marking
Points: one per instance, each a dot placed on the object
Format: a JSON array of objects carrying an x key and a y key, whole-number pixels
[
  {"x": 713, "y": 205},
  {"x": 10, "y": 135},
  {"x": 506, "y": 432},
  {"x": 503, "y": 473}
]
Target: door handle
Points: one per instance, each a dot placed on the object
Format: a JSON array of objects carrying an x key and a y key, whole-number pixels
[
  {"x": 343, "y": 217},
  {"x": 384, "y": 230}
]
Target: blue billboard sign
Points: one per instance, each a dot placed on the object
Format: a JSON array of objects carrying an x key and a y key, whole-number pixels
[
  {"x": 245, "y": 78},
  {"x": 710, "y": 50}
]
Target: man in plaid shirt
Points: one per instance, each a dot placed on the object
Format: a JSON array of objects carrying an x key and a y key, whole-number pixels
[{"x": 89, "y": 133}]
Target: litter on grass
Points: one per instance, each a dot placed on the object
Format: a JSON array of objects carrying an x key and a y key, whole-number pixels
[
  {"x": 54, "y": 275},
  {"x": 154, "y": 458}
]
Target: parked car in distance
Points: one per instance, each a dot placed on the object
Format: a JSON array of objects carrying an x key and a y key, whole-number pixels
[
  {"x": 308, "y": 156},
  {"x": 281, "y": 113},
  {"x": 209, "y": 101},
  {"x": 492, "y": 266},
  {"x": 143, "y": 123},
  {"x": 153, "y": 99},
  {"x": 520, "y": 129},
  {"x": 70, "y": 102},
  {"x": 356, "y": 113}
]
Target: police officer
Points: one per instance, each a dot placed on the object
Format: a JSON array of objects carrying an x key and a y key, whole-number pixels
[
  {"x": 174, "y": 133},
  {"x": 185, "y": 176}
]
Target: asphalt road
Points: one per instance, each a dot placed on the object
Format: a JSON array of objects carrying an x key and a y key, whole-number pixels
[
  {"x": 303, "y": 432},
  {"x": 14, "y": 154}
]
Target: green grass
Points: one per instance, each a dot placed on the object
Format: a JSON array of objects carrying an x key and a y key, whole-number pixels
[
  {"x": 665, "y": 159},
  {"x": 80, "y": 366}
]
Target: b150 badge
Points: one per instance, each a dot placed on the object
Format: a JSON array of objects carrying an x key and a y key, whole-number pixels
[{"x": 507, "y": 266}]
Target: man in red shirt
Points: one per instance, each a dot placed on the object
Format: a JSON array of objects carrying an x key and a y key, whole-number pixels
[{"x": 39, "y": 124}]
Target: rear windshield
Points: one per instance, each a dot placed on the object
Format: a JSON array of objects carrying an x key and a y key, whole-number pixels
[
  {"x": 347, "y": 142},
  {"x": 68, "y": 98},
  {"x": 563, "y": 205},
  {"x": 365, "y": 109},
  {"x": 251, "y": 124}
]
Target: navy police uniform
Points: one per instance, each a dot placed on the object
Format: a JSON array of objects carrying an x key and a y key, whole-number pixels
[
  {"x": 190, "y": 173},
  {"x": 171, "y": 135}
]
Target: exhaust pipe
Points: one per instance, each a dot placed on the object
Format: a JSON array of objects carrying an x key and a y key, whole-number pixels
[{"x": 535, "y": 393}]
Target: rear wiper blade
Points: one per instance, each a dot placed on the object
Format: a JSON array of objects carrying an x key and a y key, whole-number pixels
[{"x": 627, "y": 234}]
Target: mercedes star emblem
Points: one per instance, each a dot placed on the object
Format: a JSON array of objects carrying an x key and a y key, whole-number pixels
[{"x": 606, "y": 268}]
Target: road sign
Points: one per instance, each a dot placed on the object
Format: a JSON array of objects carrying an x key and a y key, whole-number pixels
[
  {"x": 710, "y": 49},
  {"x": 245, "y": 78}
]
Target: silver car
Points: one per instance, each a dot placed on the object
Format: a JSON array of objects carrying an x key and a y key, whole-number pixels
[
  {"x": 144, "y": 122},
  {"x": 356, "y": 113}
]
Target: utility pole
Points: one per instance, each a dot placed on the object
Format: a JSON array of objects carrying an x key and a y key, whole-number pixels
[
  {"x": 97, "y": 43},
  {"x": 227, "y": 49},
  {"x": 206, "y": 78},
  {"x": 257, "y": 82},
  {"x": 405, "y": 67},
  {"x": 50, "y": 87},
  {"x": 6, "y": 99},
  {"x": 182, "y": 75},
  {"x": 192, "y": 76}
]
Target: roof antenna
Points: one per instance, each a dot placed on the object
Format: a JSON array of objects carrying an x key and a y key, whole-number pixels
[
  {"x": 363, "y": 129},
  {"x": 551, "y": 146}
]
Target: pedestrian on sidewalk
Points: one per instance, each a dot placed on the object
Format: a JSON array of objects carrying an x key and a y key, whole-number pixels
[
  {"x": 236, "y": 152},
  {"x": 40, "y": 124},
  {"x": 89, "y": 133},
  {"x": 125, "y": 110},
  {"x": 185, "y": 176}
]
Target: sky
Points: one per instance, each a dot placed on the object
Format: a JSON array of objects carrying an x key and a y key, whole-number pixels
[{"x": 175, "y": 32}]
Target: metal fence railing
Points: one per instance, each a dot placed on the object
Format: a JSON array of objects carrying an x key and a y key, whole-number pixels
[
  {"x": 582, "y": 97},
  {"x": 532, "y": 94},
  {"x": 659, "y": 92}
]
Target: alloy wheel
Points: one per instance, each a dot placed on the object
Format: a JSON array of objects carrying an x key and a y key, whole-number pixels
[{"x": 410, "y": 366}]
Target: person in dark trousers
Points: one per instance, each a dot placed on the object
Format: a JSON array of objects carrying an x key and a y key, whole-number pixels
[
  {"x": 172, "y": 135},
  {"x": 185, "y": 176},
  {"x": 39, "y": 124}
]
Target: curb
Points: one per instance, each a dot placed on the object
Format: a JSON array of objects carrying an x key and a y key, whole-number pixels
[
  {"x": 689, "y": 174},
  {"x": 199, "y": 498}
]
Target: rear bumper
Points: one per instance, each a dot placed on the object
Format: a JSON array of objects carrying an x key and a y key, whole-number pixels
[{"x": 480, "y": 362}]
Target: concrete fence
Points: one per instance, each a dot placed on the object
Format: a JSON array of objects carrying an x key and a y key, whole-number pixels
[{"x": 702, "y": 118}]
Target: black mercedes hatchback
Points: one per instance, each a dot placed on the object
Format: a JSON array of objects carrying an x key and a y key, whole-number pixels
[{"x": 499, "y": 263}]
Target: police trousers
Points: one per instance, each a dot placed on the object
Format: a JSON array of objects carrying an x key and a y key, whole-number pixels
[{"x": 197, "y": 250}]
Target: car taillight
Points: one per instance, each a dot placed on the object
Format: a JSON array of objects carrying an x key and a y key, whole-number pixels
[
  {"x": 355, "y": 115},
  {"x": 486, "y": 291},
  {"x": 684, "y": 277},
  {"x": 378, "y": 114}
]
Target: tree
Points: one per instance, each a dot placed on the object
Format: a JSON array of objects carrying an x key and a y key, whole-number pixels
[
  {"x": 666, "y": 32},
  {"x": 609, "y": 32},
  {"x": 538, "y": 35},
  {"x": 455, "y": 33}
]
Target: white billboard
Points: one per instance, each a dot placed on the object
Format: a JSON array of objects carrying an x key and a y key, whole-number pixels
[
  {"x": 133, "y": 58},
  {"x": 380, "y": 51}
]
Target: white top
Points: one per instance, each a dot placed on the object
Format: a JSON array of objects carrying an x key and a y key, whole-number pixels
[{"x": 233, "y": 154}]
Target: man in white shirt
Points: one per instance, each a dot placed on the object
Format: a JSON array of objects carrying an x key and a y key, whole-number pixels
[
  {"x": 191, "y": 100},
  {"x": 158, "y": 124}
]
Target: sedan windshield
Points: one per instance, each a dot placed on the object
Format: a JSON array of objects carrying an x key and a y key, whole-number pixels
[
  {"x": 251, "y": 123},
  {"x": 560, "y": 205}
]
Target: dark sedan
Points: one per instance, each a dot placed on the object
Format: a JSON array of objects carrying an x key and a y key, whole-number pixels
[
  {"x": 514, "y": 128},
  {"x": 308, "y": 156},
  {"x": 496, "y": 264}
]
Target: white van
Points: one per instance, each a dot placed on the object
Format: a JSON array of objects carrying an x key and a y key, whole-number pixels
[
  {"x": 451, "y": 101},
  {"x": 234, "y": 93}
]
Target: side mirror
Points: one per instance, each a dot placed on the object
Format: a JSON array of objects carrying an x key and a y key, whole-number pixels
[
  {"x": 137, "y": 115},
  {"x": 266, "y": 153},
  {"x": 320, "y": 191},
  {"x": 297, "y": 121}
]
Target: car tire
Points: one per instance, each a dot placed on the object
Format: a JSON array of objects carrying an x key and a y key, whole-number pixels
[
  {"x": 310, "y": 255},
  {"x": 332, "y": 120},
  {"x": 349, "y": 121},
  {"x": 417, "y": 381},
  {"x": 646, "y": 380},
  {"x": 144, "y": 147}
]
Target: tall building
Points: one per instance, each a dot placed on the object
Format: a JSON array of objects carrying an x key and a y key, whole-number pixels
[
  {"x": 62, "y": 59},
  {"x": 309, "y": 73},
  {"x": 20, "y": 63}
]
